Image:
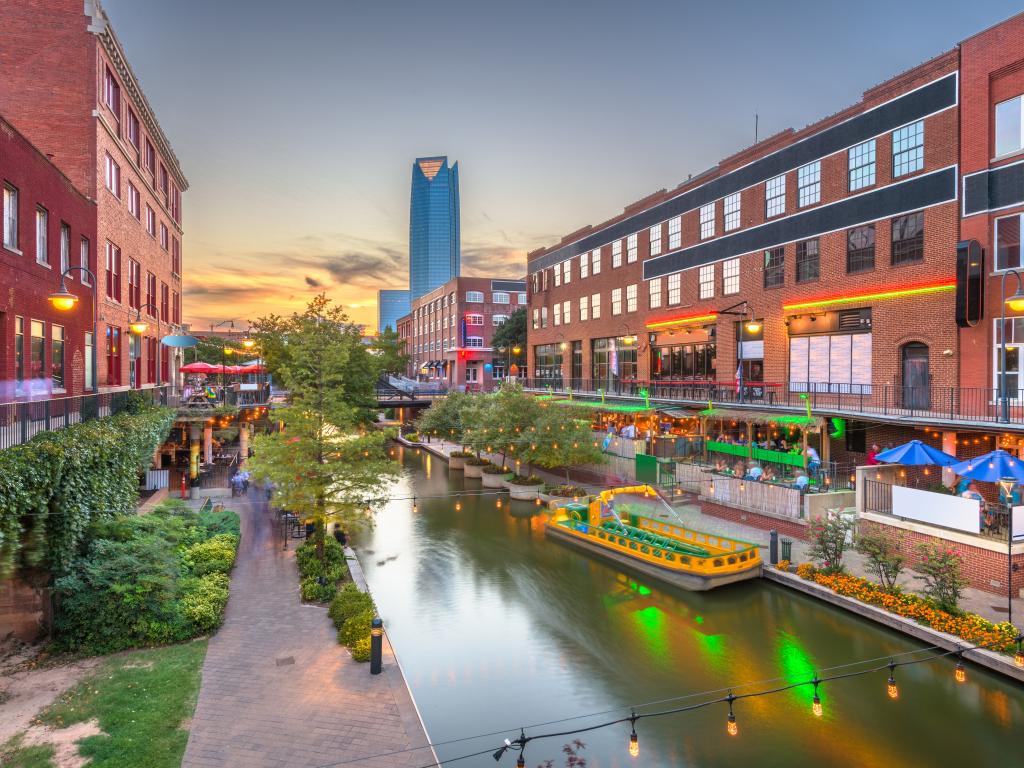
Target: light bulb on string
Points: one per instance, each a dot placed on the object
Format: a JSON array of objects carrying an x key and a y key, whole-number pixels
[
  {"x": 730, "y": 724},
  {"x": 536, "y": 501},
  {"x": 816, "y": 703},
  {"x": 890, "y": 687},
  {"x": 415, "y": 506},
  {"x": 634, "y": 742},
  {"x": 521, "y": 761}
]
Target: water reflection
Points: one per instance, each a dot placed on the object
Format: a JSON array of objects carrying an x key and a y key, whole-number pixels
[{"x": 497, "y": 627}]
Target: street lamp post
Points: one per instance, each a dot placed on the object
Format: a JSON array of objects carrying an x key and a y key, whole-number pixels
[
  {"x": 63, "y": 300},
  {"x": 140, "y": 326}
]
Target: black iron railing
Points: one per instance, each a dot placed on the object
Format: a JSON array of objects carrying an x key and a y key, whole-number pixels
[
  {"x": 966, "y": 404},
  {"x": 21, "y": 420}
]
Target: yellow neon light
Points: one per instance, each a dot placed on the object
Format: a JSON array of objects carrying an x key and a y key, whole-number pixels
[
  {"x": 681, "y": 320},
  {"x": 924, "y": 290}
]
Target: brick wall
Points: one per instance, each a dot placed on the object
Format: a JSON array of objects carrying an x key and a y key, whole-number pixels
[{"x": 764, "y": 522}]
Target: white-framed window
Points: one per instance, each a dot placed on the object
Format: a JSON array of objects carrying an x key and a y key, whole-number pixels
[
  {"x": 707, "y": 221},
  {"x": 558, "y": 313},
  {"x": 675, "y": 289},
  {"x": 501, "y": 297},
  {"x": 567, "y": 271},
  {"x": 474, "y": 341},
  {"x": 472, "y": 373},
  {"x": 495, "y": 320},
  {"x": 675, "y": 232},
  {"x": 617, "y": 254},
  {"x": 150, "y": 221},
  {"x": 42, "y": 240},
  {"x": 706, "y": 281},
  {"x": 730, "y": 277},
  {"x": 595, "y": 306},
  {"x": 631, "y": 297},
  {"x": 521, "y": 298},
  {"x": 113, "y": 175},
  {"x": 83, "y": 260},
  {"x": 65, "y": 247},
  {"x": 835, "y": 363},
  {"x": 862, "y": 165},
  {"x": 1009, "y": 126},
  {"x": 584, "y": 307},
  {"x": 536, "y": 318},
  {"x": 543, "y": 317},
  {"x": 10, "y": 217},
  {"x": 616, "y": 301},
  {"x": 654, "y": 293},
  {"x": 1014, "y": 330},
  {"x": 134, "y": 201},
  {"x": 908, "y": 149},
  {"x": 584, "y": 265},
  {"x": 558, "y": 275},
  {"x": 567, "y": 311},
  {"x": 475, "y": 297},
  {"x": 470, "y": 320},
  {"x": 775, "y": 197},
  {"x": 808, "y": 184},
  {"x": 731, "y": 211},
  {"x": 654, "y": 238},
  {"x": 631, "y": 248},
  {"x": 1007, "y": 239},
  {"x": 595, "y": 261},
  {"x": 164, "y": 240}
]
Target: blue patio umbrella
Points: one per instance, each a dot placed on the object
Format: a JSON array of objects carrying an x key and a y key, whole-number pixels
[
  {"x": 991, "y": 467},
  {"x": 179, "y": 340},
  {"x": 916, "y": 453}
]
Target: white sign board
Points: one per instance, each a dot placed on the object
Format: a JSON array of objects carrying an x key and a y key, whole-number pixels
[
  {"x": 1018, "y": 523},
  {"x": 936, "y": 508}
]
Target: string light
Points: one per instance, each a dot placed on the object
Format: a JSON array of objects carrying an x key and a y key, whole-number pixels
[
  {"x": 415, "y": 506},
  {"x": 890, "y": 688},
  {"x": 537, "y": 501},
  {"x": 634, "y": 742},
  {"x": 816, "y": 703},
  {"x": 730, "y": 724}
]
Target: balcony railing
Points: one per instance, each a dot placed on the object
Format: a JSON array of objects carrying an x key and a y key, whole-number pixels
[
  {"x": 21, "y": 420},
  {"x": 979, "y": 405}
]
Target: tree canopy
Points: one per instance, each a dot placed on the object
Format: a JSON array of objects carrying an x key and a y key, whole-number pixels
[
  {"x": 511, "y": 333},
  {"x": 390, "y": 351}
]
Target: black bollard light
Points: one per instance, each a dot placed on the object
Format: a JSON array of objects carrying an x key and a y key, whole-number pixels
[
  {"x": 376, "y": 645},
  {"x": 773, "y": 547}
]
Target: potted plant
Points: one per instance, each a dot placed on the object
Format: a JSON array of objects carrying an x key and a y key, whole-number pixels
[
  {"x": 494, "y": 476},
  {"x": 525, "y": 488},
  {"x": 474, "y": 467},
  {"x": 457, "y": 459},
  {"x": 412, "y": 437},
  {"x": 565, "y": 494}
]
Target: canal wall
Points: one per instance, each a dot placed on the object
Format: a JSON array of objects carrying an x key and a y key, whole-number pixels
[{"x": 991, "y": 660}]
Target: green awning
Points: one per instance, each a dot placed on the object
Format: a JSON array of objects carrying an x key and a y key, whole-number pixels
[
  {"x": 762, "y": 417},
  {"x": 615, "y": 407}
]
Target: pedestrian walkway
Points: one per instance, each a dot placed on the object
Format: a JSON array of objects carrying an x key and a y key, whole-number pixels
[{"x": 277, "y": 688}]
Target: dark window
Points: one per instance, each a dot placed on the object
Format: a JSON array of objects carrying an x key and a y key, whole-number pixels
[
  {"x": 547, "y": 362},
  {"x": 860, "y": 249},
  {"x": 808, "y": 266},
  {"x": 774, "y": 268},
  {"x": 908, "y": 238}
]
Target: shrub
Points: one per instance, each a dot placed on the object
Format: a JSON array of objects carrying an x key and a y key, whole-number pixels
[
  {"x": 203, "y": 601},
  {"x": 317, "y": 589},
  {"x": 462, "y": 454},
  {"x": 360, "y": 650},
  {"x": 568, "y": 491},
  {"x": 217, "y": 555},
  {"x": 942, "y": 570},
  {"x": 412, "y": 437},
  {"x": 525, "y": 480},
  {"x": 828, "y": 542},
  {"x": 356, "y": 628},
  {"x": 883, "y": 556},
  {"x": 494, "y": 469},
  {"x": 347, "y": 603},
  {"x": 215, "y": 523},
  {"x": 332, "y": 565},
  {"x": 476, "y": 461}
]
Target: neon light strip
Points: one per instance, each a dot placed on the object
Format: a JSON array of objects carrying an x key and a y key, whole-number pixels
[
  {"x": 681, "y": 320},
  {"x": 919, "y": 291}
]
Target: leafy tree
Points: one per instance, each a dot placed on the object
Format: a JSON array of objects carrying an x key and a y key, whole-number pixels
[
  {"x": 828, "y": 542},
  {"x": 512, "y": 333},
  {"x": 883, "y": 555},
  {"x": 211, "y": 350},
  {"x": 942, "y": 574},
  {"x": 505, "y": 421},
  {"x": 324, "y": 465},
  {"x": 444, "y": 417},
  {"x": 562, "y": 439},
  {"x": 389, "y": 350}
]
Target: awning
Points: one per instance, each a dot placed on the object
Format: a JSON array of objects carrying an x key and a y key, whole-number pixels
[
  {"x": 678, "y": 413},
  {"x": 763, "y": 417}
]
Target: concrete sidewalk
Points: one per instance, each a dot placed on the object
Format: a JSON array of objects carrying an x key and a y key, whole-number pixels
[{"x": 277, "y": 688}]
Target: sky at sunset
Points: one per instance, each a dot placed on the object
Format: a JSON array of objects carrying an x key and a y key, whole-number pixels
[{"x": 297, "y": 123}]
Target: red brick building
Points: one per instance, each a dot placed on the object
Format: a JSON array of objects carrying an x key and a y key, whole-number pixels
[
  {"x": 67, "y": 86},
  {"x": 47, "y": 226},
  {"x": 448, "y": 332}
]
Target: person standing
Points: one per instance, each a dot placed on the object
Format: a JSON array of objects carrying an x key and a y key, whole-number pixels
[{"x": 872, "y": 455}]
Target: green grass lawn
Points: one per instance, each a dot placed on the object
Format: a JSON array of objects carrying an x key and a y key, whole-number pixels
[
  {"x": 140, "y": 700},
  {"x": 14, "y": 755}
]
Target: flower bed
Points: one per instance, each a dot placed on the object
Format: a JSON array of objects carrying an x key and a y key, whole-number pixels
[{"x": 971, "y": 627}]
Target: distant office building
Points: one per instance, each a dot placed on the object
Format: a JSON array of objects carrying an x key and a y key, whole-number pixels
[
  {"x": 391, "y": 305},
  {"x": 434, "y": 242}
]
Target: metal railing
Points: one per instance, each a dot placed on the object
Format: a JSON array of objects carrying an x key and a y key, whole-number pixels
[
  {"x": 925, "y": 403},
  {"x": 21, "y": 420},
  {"x": 877, "y": 497}
]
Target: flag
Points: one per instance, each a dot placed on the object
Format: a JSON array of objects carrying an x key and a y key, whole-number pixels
[{"x": 739, "y": 375}]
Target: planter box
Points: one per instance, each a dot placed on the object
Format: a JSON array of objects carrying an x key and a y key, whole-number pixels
[
  {"x": 473, "y": 470},
  {"x": 456, "y": 462},
  {"x": 494, "y": 480},
  {"x": 524, "y": 492}
]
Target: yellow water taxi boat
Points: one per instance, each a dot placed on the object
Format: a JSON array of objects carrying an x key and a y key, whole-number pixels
[{"x": 620, "y": 525}]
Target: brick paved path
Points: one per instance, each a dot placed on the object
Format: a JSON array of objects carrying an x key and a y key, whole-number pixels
[{"x": 277, "y": 688}]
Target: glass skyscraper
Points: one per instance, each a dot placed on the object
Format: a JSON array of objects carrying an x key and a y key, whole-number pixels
[
  {"x": 434, "y": 242},
  {"x": 391, "y": 305}
]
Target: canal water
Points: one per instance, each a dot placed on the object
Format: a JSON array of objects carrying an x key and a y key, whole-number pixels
[{"x": 498, "y": 628}]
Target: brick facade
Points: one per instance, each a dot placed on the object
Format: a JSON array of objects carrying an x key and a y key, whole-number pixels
[
  {"x": 449, "y": 337},
  {"x": 109, "y": 143},
  {"x": 43, "y": 351}
]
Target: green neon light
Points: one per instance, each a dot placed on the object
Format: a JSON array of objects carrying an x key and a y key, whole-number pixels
[
  {"x": 870, "y": 296},
  {"x": 605, "y": 406}
]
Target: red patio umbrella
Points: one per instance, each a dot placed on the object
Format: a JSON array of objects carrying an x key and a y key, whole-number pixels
[
  {"x": 200, "y": 367},
  {"x": 254, "y": 368}
]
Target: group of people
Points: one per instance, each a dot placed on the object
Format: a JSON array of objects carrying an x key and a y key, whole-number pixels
[
  {"x": 758, "y": 474},
  {"x": 240, "y": 483}
]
